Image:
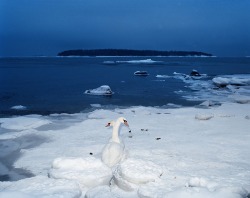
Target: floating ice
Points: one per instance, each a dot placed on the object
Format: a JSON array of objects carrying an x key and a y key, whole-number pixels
[
  {"x": 146, "y": 61},
  {"x": 102, "y": 90},
  {"x": 219, "y": 89},
  {"x": 239, "y": 80},
  {"x": 141, "y": 73},
  {"x": 96, "y": 105},
  {"x": 163, "y": 76},
  {"x": 109, "y": 62},
  {"x": 19, "y": 107}
]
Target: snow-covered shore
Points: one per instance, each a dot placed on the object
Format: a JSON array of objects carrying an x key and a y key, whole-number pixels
[{"x": 200, "y": 152}]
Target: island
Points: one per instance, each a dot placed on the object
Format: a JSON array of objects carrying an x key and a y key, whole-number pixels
[{"x": 129, "y": 52}]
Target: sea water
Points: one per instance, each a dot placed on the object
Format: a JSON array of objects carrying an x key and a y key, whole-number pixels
[{"x": 46, "y": 85}]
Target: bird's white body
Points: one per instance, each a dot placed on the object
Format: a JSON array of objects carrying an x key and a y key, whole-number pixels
[{"x": 114, "y": 151}]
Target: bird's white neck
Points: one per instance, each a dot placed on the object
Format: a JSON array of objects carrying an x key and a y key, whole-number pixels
[{"x": 116, "y": 130}]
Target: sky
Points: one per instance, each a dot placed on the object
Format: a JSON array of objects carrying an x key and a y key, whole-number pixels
[{"x": 46, "y": 27}]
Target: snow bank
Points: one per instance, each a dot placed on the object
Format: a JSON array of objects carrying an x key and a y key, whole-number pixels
[{"x": 102, "y": 90}]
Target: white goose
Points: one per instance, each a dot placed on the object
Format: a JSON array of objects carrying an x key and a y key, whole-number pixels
[{"x": 114, "y": 151}]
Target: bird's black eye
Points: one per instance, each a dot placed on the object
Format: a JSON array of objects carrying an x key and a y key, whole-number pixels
[{"x": 125, "y": 121}]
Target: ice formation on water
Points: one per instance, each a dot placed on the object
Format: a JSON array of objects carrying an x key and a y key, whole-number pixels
[
  {"x": 145, "y": 61},
  {"x": 237, "y": 80},
  {"x": 19, "y": 107},
  {"x": 141, "y": 73},
  {"x": 102, "y": 90},
  {"x": 217, "y": 89}
]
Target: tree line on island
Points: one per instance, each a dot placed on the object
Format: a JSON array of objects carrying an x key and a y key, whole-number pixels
[{"x": 128, "y": 52}]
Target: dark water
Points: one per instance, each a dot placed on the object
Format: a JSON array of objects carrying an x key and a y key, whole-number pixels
[{"x": 56, "y": 85}]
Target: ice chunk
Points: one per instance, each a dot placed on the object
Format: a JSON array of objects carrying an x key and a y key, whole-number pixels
[
  {"x": 19, "y": 107},
  {"x": 203, "y": 116},
  {"x": 146, "y": 61},
  {"x": 163, "y": 76},
  {"x": 138, "y": 171},
  {"x": 88, "y": 172},
  {"x": 232, "y": 80},
  {"x": 141, "y": 73},
  {"x": 96, "y": 105},
  {"x": 102, "y": 90}
]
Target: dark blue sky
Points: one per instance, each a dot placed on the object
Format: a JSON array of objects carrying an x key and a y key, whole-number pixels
[{"x": 46, "y": 27}]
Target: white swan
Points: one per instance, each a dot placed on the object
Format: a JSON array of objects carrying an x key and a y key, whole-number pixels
[{"x": 114, "y": 151}]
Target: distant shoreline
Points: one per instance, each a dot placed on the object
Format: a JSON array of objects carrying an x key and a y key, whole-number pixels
[{"x": 126, "y": 52}]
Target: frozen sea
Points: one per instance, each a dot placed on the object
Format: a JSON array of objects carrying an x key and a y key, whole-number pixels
[
  {"x": 45, "y": 85},
  {"x": 188, "y": 136}
]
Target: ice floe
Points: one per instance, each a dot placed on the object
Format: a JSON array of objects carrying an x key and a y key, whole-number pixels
[
  {"x": 141, "y": 73},
  {"x": 144, "y": 61},
  {"x": 19, "y": 107},
  {"x": 102, "y": 90},
  {"x": 233, "y": 88},
  {"x": 238, "y": 80}
]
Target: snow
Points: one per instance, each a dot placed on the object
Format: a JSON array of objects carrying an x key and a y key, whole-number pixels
[
  {"x": 178, "y": 152},
  {"x": 102, "y": 90}
]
